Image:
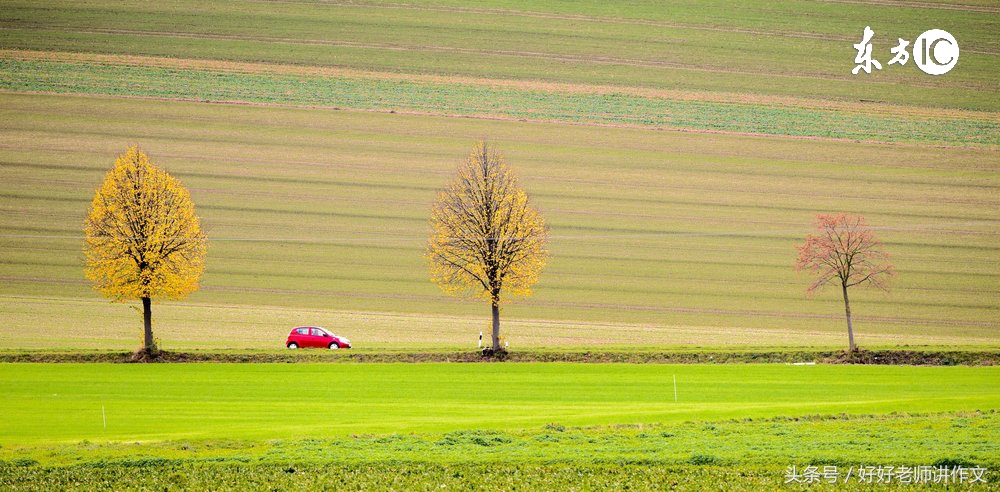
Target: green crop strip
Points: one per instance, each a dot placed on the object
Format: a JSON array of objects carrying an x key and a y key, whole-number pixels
[
  {"x": 477, "y": 101},
  {"x": 895, "y": 438},
  {"x": 262, "y": 401},
  {"x": 746, "y": 454}
]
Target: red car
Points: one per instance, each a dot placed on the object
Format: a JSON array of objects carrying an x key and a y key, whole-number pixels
[{"x": 314, "y": 336}]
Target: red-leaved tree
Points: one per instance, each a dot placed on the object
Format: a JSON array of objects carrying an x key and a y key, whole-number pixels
[{"x": 845, "y": 252}]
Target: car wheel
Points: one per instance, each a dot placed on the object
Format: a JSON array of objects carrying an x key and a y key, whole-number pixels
[
  {"x": 334, "y": 346},
  {"x": 293, "y": 345}
]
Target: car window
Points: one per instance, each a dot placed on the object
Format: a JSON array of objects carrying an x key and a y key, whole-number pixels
[
  {"x": 318, "y": 332},
  {"x": 302, "y": 331}
]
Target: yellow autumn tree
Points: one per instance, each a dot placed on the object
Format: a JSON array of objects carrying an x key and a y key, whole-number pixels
[
  {"x": 143, "y": 239},
  {"x": 487, "y": 241}
]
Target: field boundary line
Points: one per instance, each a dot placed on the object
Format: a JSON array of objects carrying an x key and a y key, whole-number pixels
[{"x": 976, "y": 358}]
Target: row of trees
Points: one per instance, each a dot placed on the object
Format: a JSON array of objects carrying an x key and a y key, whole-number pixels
[{"x": 144, "y": 239}]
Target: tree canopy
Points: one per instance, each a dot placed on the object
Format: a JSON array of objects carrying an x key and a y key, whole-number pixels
[
  {"x": 487, "y": 240},
  {"x": 143, "y": 238},
  {"x": 844, "y": 251}
]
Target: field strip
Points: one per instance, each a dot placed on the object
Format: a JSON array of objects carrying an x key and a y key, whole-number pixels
[
  {"x": 734, "y": 227},
  {"x": 761, "y": 313},
  {"x": 984, "y": 159},
  {"x": 950, "y": 227},
  {"x": 481, "y": 102},
  {"x": 920, "y": 5},
  {"x": 794, "y": 152},
  {"x": 237, "y": 310},
  {"x": 375, "y": 236},
  {"x": 429, "y": 113},
  {"x": 609, "y": 456},
  {"x": 154, "y": 402},
  {"x": 417, "y": 242},
  {"x": 736, "y": 444},
  {"x": 377, "y": 328},
  {"x": 743, "y": 313},
  {"x": 638, "y": 21},
  {"x": 529, "y": 85},
  {"x": 570, "y": 17},
  {"x": 556, "y": 57},
  {"x": 980, "y": 160},
  {"x": 549, "y": 121}
]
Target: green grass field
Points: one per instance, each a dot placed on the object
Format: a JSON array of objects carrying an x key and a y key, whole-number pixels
[
  {"x": 211, "y": 422},
  {"x": 285, "y": 401}
]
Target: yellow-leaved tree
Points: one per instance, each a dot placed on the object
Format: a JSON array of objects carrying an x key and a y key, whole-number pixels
[
  {"x": 487, "y": 240},
  {"x": 143, "y": 239}
]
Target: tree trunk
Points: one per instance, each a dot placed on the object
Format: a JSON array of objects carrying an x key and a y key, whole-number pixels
[
  {"x": 850, "y": 329},
  {"x": 147, "y": 322},
  {"x": 496, "y": 326}
]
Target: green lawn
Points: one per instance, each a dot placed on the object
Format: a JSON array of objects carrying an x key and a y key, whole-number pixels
[
  {"x": 489, "y": 426},
  {"x": 62, "y": 403}
]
